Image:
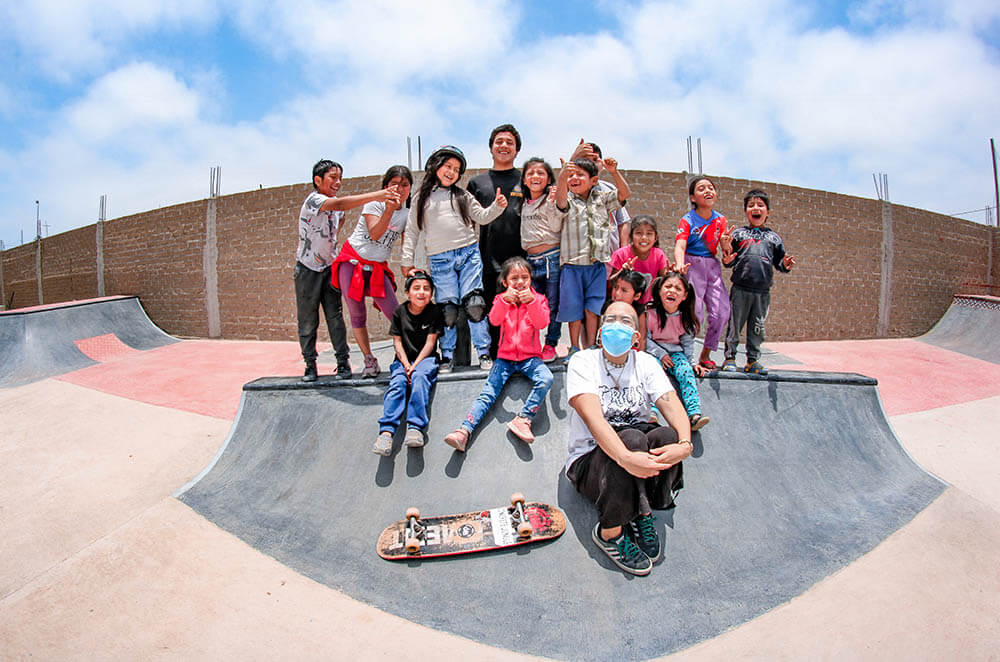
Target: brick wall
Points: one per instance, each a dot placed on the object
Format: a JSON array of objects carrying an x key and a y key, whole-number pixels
[{"x": 832, "y": 293}]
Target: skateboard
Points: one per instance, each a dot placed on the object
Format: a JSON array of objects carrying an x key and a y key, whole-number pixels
[{"x": 448, "y": 535}]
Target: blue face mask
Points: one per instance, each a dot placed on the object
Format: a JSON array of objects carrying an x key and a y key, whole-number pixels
[{"x": 616, "y": 338}]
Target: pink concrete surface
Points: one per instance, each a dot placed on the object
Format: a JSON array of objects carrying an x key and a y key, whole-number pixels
[
  {"x": 912, "y": 375},
  {"x": 104, "y": 348},
  {"x": 198, "y": 376}
]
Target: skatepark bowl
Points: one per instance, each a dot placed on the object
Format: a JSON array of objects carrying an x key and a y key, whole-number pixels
[{"x": 798, "y": 476}]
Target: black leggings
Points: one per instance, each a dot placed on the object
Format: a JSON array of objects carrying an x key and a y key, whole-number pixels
[{"x": 620, "y": 496}]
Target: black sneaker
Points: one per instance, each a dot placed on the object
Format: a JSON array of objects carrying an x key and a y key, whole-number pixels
[
  {"x": 343, "y": 371},
  {"x": 644, "y": 533},
  {"x": 623, "y": 552},
  {"x": 445, "y": 366},
  {"x": 311, "y": 374}
]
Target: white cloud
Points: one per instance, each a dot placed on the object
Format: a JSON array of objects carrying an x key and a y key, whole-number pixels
[
  {"x": 65, "y": 38},
  {"x": 137, "y": 96}
]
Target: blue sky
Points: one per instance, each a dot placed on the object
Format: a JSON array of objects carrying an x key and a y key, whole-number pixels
[{"x": 137, "y": 100}]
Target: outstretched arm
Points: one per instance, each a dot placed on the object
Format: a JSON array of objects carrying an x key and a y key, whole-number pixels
[
  {"x": 351, "y": 201},
  {"x": 611, "y": 165}
]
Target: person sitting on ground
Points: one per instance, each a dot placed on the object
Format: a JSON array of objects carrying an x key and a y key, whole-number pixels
[
  {"x": 520, "y": 313},
  {"x": 618, "y": 459},
  {"x": 415, "y": 328}
]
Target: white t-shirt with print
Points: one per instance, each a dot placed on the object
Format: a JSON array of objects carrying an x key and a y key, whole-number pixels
[
  {"x": 377, "y": 250},
  {"x": 640, "y": 384},
  {"x": 317, "y": 233}
]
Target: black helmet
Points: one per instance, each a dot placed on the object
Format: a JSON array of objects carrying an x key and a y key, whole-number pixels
[{"x": 450, "y": 150}]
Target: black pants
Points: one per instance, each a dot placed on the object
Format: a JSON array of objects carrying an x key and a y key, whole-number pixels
[
  {"x": 312, "y": 290},
  {"x": 620, "y": 496},
  {"x": 747, "y": 308}
]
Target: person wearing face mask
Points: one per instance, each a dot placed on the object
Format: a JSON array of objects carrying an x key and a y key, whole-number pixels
[{"x": 618, "y": 459}]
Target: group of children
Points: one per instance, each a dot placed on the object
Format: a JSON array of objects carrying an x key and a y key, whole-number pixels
[{"x": 567, "y": 225}]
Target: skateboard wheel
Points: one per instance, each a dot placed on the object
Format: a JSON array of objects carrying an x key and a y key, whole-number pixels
[
  {"x": 524, "y": 530},
  {"x": 516, "y": 498},
  {"x": 412, "y": 545},
  {"x": 412, "y": 512}
]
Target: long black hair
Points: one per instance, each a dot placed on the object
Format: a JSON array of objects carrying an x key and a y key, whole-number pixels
[
  {"x": 430, "y": 180},
  {"x": 688, "y": 319},
  {"x": 548, "y": 170}
]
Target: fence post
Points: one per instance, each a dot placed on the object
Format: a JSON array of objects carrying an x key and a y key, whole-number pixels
[{"x": 885, "y": 286}]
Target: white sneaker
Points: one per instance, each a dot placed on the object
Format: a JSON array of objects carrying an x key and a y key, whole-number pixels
[{"x": 371, "y": 368}]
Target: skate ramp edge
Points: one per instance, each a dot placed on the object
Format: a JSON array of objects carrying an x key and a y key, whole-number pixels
[
  {"x": 797, "y": 475},
  {"x": 41, "y": 342},
  {"x": 970, "y": 326}
]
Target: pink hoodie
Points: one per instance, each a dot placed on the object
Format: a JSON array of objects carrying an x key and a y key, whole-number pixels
[{"x": 519, "y": 327}]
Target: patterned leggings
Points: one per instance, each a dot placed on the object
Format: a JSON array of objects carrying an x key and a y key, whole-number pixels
[{"x": 684, "y": 375}]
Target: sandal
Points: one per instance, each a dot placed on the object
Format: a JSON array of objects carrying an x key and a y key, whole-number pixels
[
  {"x": 698, "y": 421},
  {"x": 709, "y": 364}
]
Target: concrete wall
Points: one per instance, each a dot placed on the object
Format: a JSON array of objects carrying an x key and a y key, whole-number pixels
[{"x": 852, "y": 253}]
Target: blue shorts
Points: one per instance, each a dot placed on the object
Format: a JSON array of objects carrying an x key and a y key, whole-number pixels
[{"x": 581, "y": 288}]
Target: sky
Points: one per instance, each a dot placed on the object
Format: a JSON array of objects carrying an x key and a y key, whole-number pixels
[{"x": 138, "y": 99}]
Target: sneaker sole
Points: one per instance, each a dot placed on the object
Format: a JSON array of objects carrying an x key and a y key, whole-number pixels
[
  {"x": 639, "y": 572},
  {"x": 702, "y": 422},
  {"x": 414, "y": 443}
]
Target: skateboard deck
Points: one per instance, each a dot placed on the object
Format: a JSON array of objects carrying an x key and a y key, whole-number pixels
[{"x": 466, "y": 533}]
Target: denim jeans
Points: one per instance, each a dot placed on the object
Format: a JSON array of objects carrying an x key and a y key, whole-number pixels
[
  {"x": 545, "y": 279},
  {"x": 456, "y": 274},
  {"x": 395, "y": 401},
  {"x": 533, "y": 368}
]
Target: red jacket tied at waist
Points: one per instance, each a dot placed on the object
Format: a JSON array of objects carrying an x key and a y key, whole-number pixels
[{"x": 376, "y": 283}]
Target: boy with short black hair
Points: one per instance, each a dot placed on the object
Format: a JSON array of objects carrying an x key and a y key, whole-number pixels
[
  {"x": 752, "y": 253},
  {"x": 585, "y": 244},
  {"x": 319, "y": 220}
]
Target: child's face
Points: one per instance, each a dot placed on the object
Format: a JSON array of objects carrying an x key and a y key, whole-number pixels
[
  {"x": 403, "y": 185},
  {"x": 672, "y": 293},
  {"x": 704, "y": 194},
  {"x": 329, "y": 183},
  {"x": 449, "y": 172},
  {"x": 504, "y": 148},
  {"x": 536, "y": 179},
  {"x": 420, "y": 293},
  {"x": 622, "y": 291},
  {"x": 756, "y": 212},
  {"x": 518, "y": 278},
  {"x": 643, "y": 238},
  {"x": 580, "y": 182}
]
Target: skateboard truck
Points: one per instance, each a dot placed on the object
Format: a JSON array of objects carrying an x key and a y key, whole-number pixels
[
  {"x": 414, "y": 530},
  {"x": 522, "y": 525}
]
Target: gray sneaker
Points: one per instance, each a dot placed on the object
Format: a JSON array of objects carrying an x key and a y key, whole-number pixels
[
  {"x": 623, "y": 552},
  {"x": 445, "y": 366},
  {"x": 644, "y": 534},
  {"x": 485, "y": 362},
  {"x": 414, "y": 438},
  {"x": 383, "y": 445}
]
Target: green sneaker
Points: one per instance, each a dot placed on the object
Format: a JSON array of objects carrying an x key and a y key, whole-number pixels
[
  {"x": 623, "y": 552},
  {"x": 644, "y": 533}
]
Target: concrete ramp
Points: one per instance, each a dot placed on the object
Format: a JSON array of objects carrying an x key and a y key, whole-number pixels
[
  {"x": 797, "y": 475},
  {"x": 970, "y": 326},
  {"x": 45, "y": 341}
]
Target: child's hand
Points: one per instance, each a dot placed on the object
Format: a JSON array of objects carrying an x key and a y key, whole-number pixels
[
  {"x": 682, "y": 268},
  {"x": 525, "y": 295},
  {"x": 552, "y": 194},
  {"x": 510, "y": 296},
  {"x": 393, "y": 203},
  {"x": 629, "y": 263},
  {"x": 611, "y": 165},
  {"x": 583, "y": 151},
  {"x": 726, "y": 239},
  {"x": 788, "y": 262},
  {"x": 667, "y": 361},
  {"x": 407, "y": 271},
  {"x": 699, "y": 370},
  {"x": 500, "y": 199}
]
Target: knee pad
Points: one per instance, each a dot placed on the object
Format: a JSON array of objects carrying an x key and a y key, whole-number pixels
[
  {"x": 475, "y": 306},
  {"x": 450, "y": 314}
]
